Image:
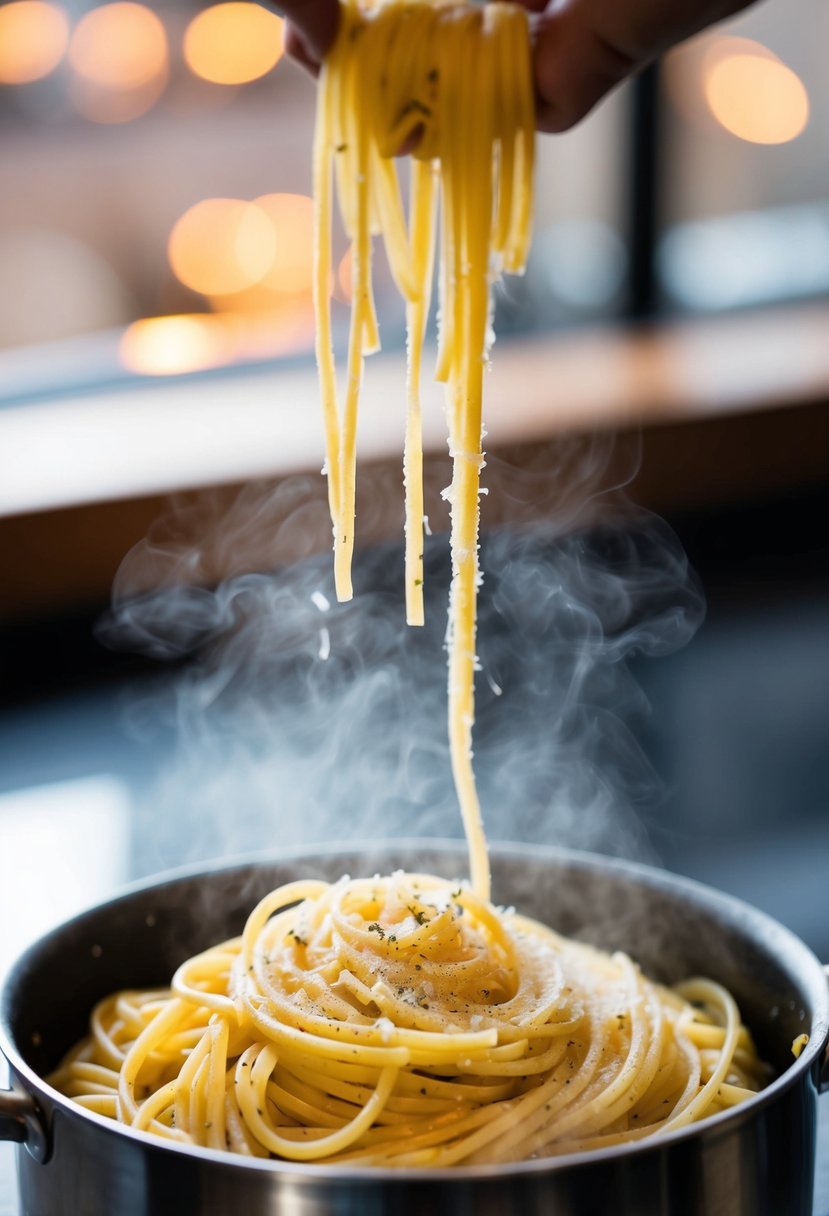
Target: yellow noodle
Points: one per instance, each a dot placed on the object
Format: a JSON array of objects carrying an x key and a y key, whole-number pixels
[
  {"x": 459, "y": 79},
  {"x": 474, "y": 1035}
]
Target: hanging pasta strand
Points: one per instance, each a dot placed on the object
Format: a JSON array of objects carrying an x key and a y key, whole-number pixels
[
  {"x": 423, "y": 203},
  {"x": 323, "y": 205},
  {"x": 357, "y": 137},
  {"x": 453, "y": 84}
]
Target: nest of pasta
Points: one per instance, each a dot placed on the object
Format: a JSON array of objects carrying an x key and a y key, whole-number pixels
[{"x": 403, "y": 1021}]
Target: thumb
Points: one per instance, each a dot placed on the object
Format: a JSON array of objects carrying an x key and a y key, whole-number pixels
[
  {"x": 574, "y": 66},
  {"x": 584, "y": 48},
  {"x": 312, "y": 27}
]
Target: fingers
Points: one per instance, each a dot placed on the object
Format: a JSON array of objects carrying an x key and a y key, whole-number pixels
[
  {"x": 312, "y": 27},
  {"x": 533, "y": 6},
  {"x": 297, "y": 49},
  {"x": 584, "y": 48},
  {"x": 574, "y": 66}
]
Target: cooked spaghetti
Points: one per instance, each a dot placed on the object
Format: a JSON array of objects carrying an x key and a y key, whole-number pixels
[
  {"x": 403, "y": 1021},
  {"x": 457, "y": 81}
]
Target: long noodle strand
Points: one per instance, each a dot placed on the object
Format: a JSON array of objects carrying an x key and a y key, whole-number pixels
[
  {"x": 423, "y": 239},
  {"x": 455, "y": 80}
]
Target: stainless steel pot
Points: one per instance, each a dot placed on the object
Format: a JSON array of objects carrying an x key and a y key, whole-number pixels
[{"x": 756, "y": 1161}]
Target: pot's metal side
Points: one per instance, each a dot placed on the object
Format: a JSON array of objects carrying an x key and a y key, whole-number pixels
[
  {"x": 759, "y": 1161},
  {"x": 763, "y": 1166}
]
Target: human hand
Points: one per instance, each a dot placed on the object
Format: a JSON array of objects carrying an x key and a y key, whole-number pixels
[
  {"x": 582, "y": 48},
  {"x": 310, "y": 30}
]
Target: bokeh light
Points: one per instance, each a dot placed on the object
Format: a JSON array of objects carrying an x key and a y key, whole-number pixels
[
  {"x": 233, "y": 43},
  {"x": 169, "y": 346},
  {"x": 120, "y": 46},
  {"x": 716, "y": 47},
  {"x": 120, "y": 57},
  {"x": 291, "y": 270},
  {"x": 222, "y": 245},
  {"x": 277, "y": 310},
  {"x": 756, "y": 97},
  {"x": 193, "y": 342},
  {"x": 267, "y": 324},
  {"x": 33, "y": 40}
]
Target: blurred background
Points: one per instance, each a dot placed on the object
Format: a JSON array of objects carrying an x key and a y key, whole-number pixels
[{"x": 665, "y": 357}]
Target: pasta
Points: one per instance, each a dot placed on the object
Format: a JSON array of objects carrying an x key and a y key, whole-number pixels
[
  {"x": 404, "y": 1020},
  {"x": 458, "y": 79}
]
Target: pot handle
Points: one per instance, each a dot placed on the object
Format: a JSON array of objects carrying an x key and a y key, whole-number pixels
[{"x": 21, "y": 1122}]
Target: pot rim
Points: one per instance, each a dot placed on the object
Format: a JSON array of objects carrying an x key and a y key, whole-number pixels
[{"x": 782, "y": 942}]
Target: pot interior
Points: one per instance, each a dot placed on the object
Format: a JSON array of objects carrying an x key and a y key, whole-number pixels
[{"x": 675, "y": 929}]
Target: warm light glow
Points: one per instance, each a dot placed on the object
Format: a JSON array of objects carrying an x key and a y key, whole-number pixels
[
  {"x": 120, "y": 57},
  {"x": 725, "y": 46},
  {"x": 173, "y": 346},
  {"x": 233, "y": 43},
  {"x": 292, "y": 268},
  {"x": 169, "y": 346},
  {"x": 33, "y": 38},
  {"x": 757, "y": 98},
  {"x": 267, "y": 324},
  {"x": 119, "y": 46},
  {"x": 222, "y": 245}
]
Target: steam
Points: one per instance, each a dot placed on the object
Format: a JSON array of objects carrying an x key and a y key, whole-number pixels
[{"x": 298, "y": 720}]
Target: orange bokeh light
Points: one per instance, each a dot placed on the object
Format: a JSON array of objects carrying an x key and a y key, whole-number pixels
[
  {"x": 193, "y": 342},
  {"x": 726, "y": 46},
  {"x": 233, "y": 43},
  {"x": 170, "y": 346},
  {"x": 757, "y": 97},
  {"x": 121, "y": 62},
  {"x": 292, "y": 217},
  {"x": 269, "y": 324},
  {"x": 33, "y": 40},
  {"x": 222, "y": 245},
  {"x": 119, "y": 46}
]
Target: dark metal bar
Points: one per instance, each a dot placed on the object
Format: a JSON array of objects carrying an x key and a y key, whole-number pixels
[{"x": 644, "y": 194}]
